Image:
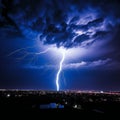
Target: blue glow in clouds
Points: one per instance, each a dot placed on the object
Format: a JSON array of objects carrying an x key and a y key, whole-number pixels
[{"x": 60, "y": 69}]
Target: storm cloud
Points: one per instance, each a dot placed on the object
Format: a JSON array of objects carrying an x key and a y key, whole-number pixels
[
  {"x": 88, "y": 29},
  {"x": 64, "y": 23}
]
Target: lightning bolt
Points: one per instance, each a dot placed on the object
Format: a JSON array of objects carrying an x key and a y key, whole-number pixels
[
  {"x": 18, "y": 50},
  {"x": 42, "y": 52},
  {"x": 59, "y": 71},
  {"x": 26, "y": 53}
]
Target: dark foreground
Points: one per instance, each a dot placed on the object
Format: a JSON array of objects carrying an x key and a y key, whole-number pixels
[{"x": 49, "y": 104}]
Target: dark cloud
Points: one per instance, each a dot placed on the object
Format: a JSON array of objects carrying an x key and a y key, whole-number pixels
[{"x": 62, "y": 23}]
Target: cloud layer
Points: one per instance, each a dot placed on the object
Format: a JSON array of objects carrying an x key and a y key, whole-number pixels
[
  {"x": 102, "y": 64},
  {"x": 62, "y": 23}
]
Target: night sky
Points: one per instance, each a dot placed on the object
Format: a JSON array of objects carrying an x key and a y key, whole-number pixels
[{"x": 35, "y": 33}]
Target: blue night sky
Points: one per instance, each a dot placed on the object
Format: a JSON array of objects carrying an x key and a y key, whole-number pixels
[{"x": 35, "y": 35}]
